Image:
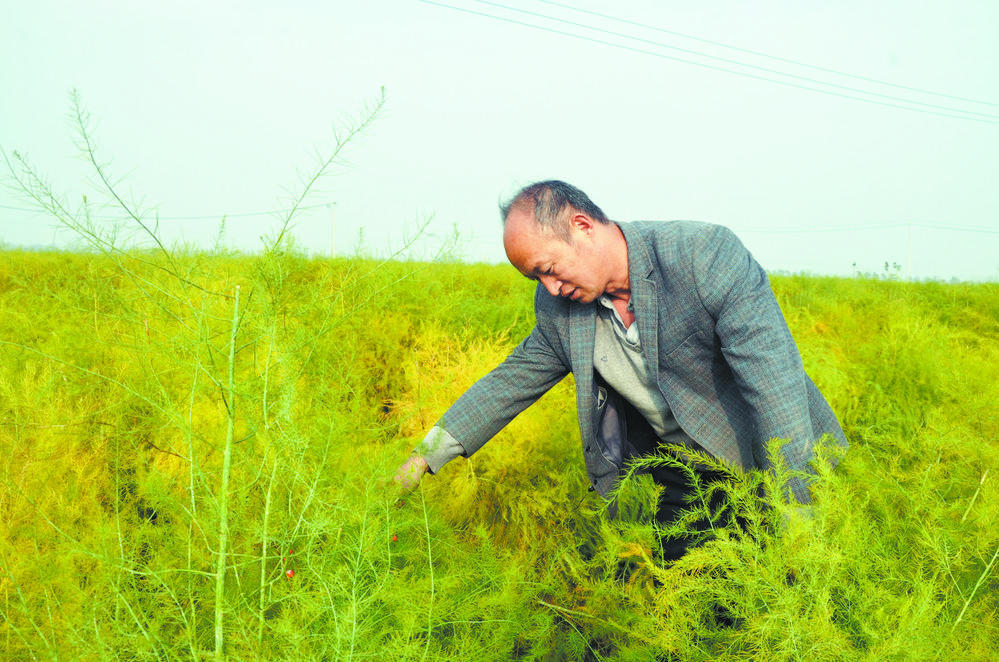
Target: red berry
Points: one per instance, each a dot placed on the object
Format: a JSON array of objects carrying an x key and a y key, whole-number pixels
[
  {"x": 290, "y": 552},
  {"x": 394, "y": 537},
  {"x": 290, "y": 573}
]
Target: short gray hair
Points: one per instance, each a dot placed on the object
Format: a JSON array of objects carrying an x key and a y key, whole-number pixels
[{"x": 548, "y": 200}]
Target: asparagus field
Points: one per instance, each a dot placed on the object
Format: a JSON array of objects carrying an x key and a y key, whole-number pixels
[{"x": 196, "y": 451}]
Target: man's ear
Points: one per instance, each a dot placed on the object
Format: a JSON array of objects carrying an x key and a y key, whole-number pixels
[{"x": 581, "y": 222}]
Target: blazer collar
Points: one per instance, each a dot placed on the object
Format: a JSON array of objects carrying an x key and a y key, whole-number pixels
[
  {"x": 640, "y": 264},
  {"x": 644, "y": 295}
]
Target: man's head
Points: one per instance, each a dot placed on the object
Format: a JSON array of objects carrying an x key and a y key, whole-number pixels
[
  {"x": 554, "y": 233},
  {"x": 551, "y": 201}
]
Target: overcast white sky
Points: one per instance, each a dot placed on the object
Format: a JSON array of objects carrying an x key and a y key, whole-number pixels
[{"x": 211, "y": 108}]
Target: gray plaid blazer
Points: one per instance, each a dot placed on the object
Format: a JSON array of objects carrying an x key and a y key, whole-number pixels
[{"x": 711, "y": 329}]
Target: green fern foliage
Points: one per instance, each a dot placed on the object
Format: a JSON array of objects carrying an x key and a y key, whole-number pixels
[{"x": 117, "y": 414}]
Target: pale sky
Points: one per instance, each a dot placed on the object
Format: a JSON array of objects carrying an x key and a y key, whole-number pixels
[{"x": 212, "y": 108}]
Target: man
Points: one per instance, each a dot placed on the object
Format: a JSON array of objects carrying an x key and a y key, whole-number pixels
[{"x": 672, "y": 333}]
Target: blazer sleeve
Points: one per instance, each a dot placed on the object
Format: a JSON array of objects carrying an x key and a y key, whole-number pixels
[
  {"x": 758, "y": 348},
  {"x": 534, "y": 366}
]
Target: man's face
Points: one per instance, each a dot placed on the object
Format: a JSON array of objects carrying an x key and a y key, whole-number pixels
[{"x": 571, "y": 269}]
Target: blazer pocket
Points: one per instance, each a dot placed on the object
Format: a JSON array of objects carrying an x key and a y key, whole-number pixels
[{"x": 680, "y": 345}]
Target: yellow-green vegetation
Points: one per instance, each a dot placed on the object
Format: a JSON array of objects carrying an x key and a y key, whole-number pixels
[{"x": 195, "y": 454}]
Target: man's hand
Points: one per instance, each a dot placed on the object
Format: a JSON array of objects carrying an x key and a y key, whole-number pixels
[{"x": 409, "y": 474}]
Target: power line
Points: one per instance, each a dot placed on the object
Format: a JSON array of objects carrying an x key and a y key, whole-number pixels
[
  {"x": 766, "y": 55},
  {"x": 736, "y": 62},
  {"x": 955, "y": 228},
  {"x": 967, "y": 115}
]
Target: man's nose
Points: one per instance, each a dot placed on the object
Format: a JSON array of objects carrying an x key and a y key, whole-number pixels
[{"x": 552, "y": 284}]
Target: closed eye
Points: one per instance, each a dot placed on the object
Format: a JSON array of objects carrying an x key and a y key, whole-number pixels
[{"x": 537, "y": 272}]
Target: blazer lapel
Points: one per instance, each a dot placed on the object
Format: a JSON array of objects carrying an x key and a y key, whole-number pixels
[
  {"x": 645, "y": 298},
  {"x": 582, "y": 329}
]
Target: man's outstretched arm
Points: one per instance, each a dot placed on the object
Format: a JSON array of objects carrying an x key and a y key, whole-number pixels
[{"x": 533, "y": 367}]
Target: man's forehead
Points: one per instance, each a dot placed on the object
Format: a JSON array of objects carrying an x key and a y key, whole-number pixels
[{"x": 520, "y": 220}]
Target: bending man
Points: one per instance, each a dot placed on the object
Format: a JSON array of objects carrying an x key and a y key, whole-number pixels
[{"x": 672, "y": 333}]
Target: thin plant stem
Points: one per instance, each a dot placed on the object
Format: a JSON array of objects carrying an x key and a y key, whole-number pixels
[
  {"x": 224, "y": 488},
  {"x": 573, "y": 625},
  {"x": 974, "y": 496},
  {"x": 189, "y": 433},
  {"x": 27, "y": 611},
  {"x": 353, "y": 584},
  {"x": 324, "y": 167},
  {"x": 263, "y": 559},
  {"x": 978, "y": 585},
  {"x": 430, "y": 565}
]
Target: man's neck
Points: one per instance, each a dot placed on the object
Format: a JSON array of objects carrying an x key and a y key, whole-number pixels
[{"x": 623, "y": 308}]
